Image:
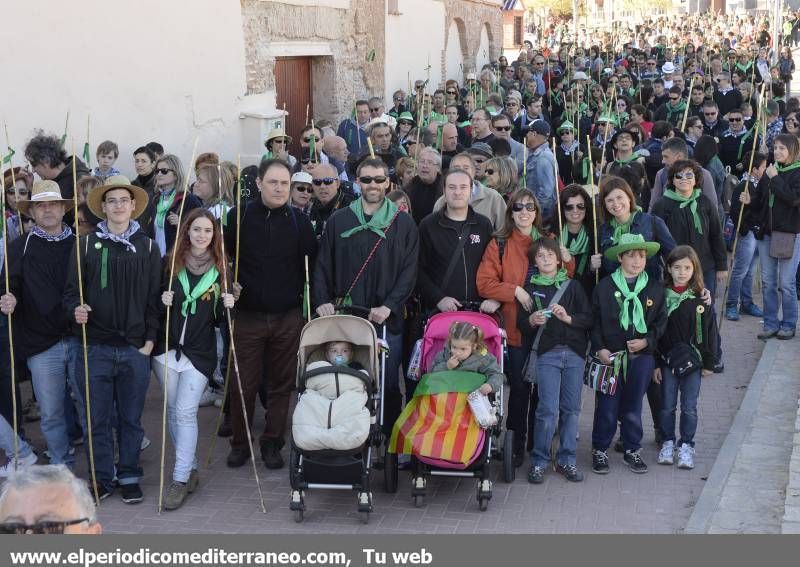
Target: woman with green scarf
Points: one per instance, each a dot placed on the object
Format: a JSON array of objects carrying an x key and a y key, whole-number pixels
[
  {"x": 556, "y": 360},
  {"x": 198, "y": 305},
  {"x": 629, "y": 318},
  {"x": 577, "y": 233},
  {"x": 161, "y": 218}
]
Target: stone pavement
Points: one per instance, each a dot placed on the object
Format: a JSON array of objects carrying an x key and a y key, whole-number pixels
[{"x": 621, "y": 502}]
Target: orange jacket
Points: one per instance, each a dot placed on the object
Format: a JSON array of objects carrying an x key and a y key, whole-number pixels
[{"x": 499, "y": 281}]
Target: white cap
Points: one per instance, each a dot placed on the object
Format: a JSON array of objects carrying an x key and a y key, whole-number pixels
[
  {"x": 302, "y": 177},
  {"x": 472, "y": 77},
  {"x": 668, "y": 67},
  {"x": 579, "y": 76}
]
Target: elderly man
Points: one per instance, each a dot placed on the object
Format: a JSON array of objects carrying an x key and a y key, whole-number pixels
[
  {"x": 426, "y": 186},
  {"x": 450, "y": 146},
  {"x": 337, "y": 152},
  {"x": 541, "y": 178},
  {"x": 47, "y": 500},
  {"x": 380, "y": 133},
  {"x": 484, "y": 201},
  {"x": 481, "y": 126},
  {"x": 377, "y": 112},
  {"x": 371, "y": 263},
  {"x": 328, "y": 196}
]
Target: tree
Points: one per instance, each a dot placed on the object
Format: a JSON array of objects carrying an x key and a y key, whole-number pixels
[{"x": 557, "y": 7}]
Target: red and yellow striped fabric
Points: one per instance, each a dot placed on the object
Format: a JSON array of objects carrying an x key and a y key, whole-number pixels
[{"x": 438, "y": 426}]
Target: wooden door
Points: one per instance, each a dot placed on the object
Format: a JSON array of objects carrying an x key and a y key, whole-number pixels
[{"x": 293, "y": 87}]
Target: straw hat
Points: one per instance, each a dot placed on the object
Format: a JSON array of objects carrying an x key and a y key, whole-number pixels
[
  {"x": 94, "y": 200},
  {"x": 44, "y": 191},
  {"x": 277, "y": 133}
]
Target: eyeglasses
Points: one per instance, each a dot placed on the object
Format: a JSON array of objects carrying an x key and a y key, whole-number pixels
[
  {"x": 114, "y": 202},
  {"x": 503, "y": 128},
  {"x": 517, "y": 207},
  {"x": 511, "y": 103},
  {"x": 709, "y": 114},
  {"x": 304, "y": 188},
  {"x": 308, "y": 140},
  {"x": 489, "y": 171},
  {"x": 578, "y": 206},
  {"x": 164, "y": 170},
  {"x": 684, "y": 175},
  {"x": 40, "y": 528},
  {"x": 324, "y": 180},
  {"x": 366, "y": 179},
  {"x": 732, "y": 119}
]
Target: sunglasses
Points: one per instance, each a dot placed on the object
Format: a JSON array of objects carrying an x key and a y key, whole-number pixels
[
  {"x": 684, "y": 175},
  {"x": 503, "y": 128},
  {"x": 709, "y": 114},
  {"x": 452, "y": 92},
  {"x": 732, "y": 119},
  {"x": 674, "y": 98},
  {"x": 40, "y": 528},
  {"x": 308, "y": 140},
  {"x": 366, "y": 179},
  {"x": 324, "y": 180},
  {"x": 306, "y": 161},
  {"x": 578, "y": 206},
  {"x": 405, "y": 123},
  {"x": 164, "y": 170},
  {"x": 304, "y": 188},
  {"x": 517, "y": 207},
  {"x": 374, "y": 109}
]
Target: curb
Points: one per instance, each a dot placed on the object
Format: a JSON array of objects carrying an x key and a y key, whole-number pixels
[
  {"x": 700, "y": 520},
  {"x": 790, "y": 523}
]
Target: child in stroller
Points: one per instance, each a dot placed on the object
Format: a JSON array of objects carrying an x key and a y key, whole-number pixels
[{"x": 465, "y": 350}]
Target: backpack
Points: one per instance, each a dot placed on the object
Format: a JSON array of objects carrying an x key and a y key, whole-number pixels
[{"x": 729, "y": 184}]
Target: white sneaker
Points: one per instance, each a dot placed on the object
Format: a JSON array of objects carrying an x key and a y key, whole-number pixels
[
  {"x": 667, "y": 454},
  {"x": 145, "y": 443},
  {"x": 209, "y": 397},
  {"x": 685, "y": 456},
  {"x": 7, "y": 469}
]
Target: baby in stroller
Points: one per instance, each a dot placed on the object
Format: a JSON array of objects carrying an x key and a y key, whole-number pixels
[
  {"x": 340, "y": 353},
  {"x": 465, "y": 350}
]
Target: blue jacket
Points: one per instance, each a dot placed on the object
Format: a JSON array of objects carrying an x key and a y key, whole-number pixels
[
  {"x": 541, "y": 178},
  {"x": 653, "y": 229},
  {"x": 353, "y": 134}
]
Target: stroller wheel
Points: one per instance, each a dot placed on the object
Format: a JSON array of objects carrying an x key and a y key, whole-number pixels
[
  {"x": 390, "y": 472},
  {"x": 298, "y": 515},
  {"x": 364, "y": 517},
  {"x": 419, "y": 501},
  {"x": 483, "y": 504},
  {"x": 509, "y": 470}
]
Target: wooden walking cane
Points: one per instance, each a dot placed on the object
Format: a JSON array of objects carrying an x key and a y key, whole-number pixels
[
  {"x": 233, "y": 324},
  {"x": 166, "y": 335},
  {"x": 741, "y": 210},
  {"x": 688, "y": 103},
  {"x": 87, "y": 399},
  {"x": 594, "y": 205},
  {"x": 308, "y": 292},
  {"x": 236, "y": 370},
  {"x": 558, "y": 196},
  {"x": 13, "y": 181},
  {"x": 14, "y": 423}
]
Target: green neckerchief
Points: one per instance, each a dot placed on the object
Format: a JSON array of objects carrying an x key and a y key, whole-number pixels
[
  {"x": 632, "y": 298},
  {"x": 625, "y": 161},
  {"x": 674, "y": 299},
  {"x": 672, "y": 110},
  {"x": 206, "y": 282},
  {"x": 625, "y": 228},
  {"x": 379, "y": 221},
  {"x": 691, "y": 202},
  {"x": 579, "y": 246},
  {"x": 557, "y": 280},
  {"x": 744, "y": 68},
  {"x": 163, "y": 206}
]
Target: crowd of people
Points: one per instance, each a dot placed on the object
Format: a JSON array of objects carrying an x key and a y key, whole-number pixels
[{"x": 629, "y": 163}]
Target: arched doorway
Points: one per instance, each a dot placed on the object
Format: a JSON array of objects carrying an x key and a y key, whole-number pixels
[{"x": 454, "y": 52}]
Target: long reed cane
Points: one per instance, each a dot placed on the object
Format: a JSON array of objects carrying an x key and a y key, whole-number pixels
[
  {"x": 594, "y": 207},
  {"x": 14, "y": 423},
  {"x": 238, "y": 376},
  {"x": 688, "y": 103},
  {"x": 558, "y": 196},
  {"x": 166, "y": 337},
  {"x": 87, "y": 399}
]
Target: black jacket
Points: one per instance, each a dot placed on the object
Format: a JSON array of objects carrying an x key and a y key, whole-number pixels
[
  {"x": 389, "y": 277},
  {"x": 728, "y": 101},
  {"x": 37, "y": 271},
  {"x": 439, "y": 237},
  {"x": 733, "y": 147},
  {"x": 750, "y": 217},
  {"x": 274, "y": 243},
  {"x": 126, "y": 311},
  {"x": 423, "y": 196},
  {"x": 146, "y": 182},
  {"x": 67, "y": 184},
  {"x": 682, "y": 328},
  {"x": 710, "y": 246},
  {"x": 321, "y": 213},
  {"x": 784, "y": 215},
  {"x": 148, "y": 218},
  {"x": 718, "y": 129},
  {"x": 556, "y": 332},
  {"x": 608, "y": 333}
]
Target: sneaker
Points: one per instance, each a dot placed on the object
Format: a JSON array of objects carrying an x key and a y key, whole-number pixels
[
  {"x": 102, "y": 491},
  {"x": 635, "y": 462},
  {"x": 732, "y": 314},
  {"x": 536, "y": 475},
  {"x": 767, "y": 334},
  {"x": 686, "y": 456},
  {"x": 145, "y": 443},
  {"x": 599, "y": 462},
  {"x": 570, "y": 472},
  {"x": 667, "y": 454},
  {"x": 785, "y": 334},
  {"x": 271, "y": 455},
  {"x": 209, "y": 397},
  {"x": 131, "y": 493},
  {"x": 8, "y": 468},
  {"x": 719, "y": 367},
  {"x": 753, "y": 310},
  {"x": 194, "y": 480},
  {"x": 176, "y": 495}
]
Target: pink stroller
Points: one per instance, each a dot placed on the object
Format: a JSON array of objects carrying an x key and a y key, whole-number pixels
[{"x": 433, "y": 341}]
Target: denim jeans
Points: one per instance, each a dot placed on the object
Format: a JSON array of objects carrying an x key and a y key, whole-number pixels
[
  {"x": 53, "y": 377},
  {"x": 778, "y": 278},
  {"x": 185, "y": 385},
  {"x": 741, "y": 286},
  {"x": 689, "y": 387},
  {"x": 7, "y": 441},
  {"x": 625, "y": 404},
  {"x": 559, "y": 376},
  {"x": 118, "y": 377}
]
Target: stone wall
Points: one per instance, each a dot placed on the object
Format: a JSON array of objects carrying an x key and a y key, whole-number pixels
[{"x": 471, "y": 17}]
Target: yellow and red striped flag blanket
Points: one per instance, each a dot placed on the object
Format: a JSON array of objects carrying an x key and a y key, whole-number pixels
[{"x": 438, "y": 423}]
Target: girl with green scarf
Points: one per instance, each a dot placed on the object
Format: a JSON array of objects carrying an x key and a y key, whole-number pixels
[
  {"x": 629, "y": 318},
  {"x": 690, "y": 322},
  {"x": 198, "y": 301}
]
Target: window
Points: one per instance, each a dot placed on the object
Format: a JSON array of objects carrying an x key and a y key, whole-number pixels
[{"x": 518, "y": 33}]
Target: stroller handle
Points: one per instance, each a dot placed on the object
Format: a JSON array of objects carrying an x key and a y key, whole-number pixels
[{"x": 357, "y": 310}]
